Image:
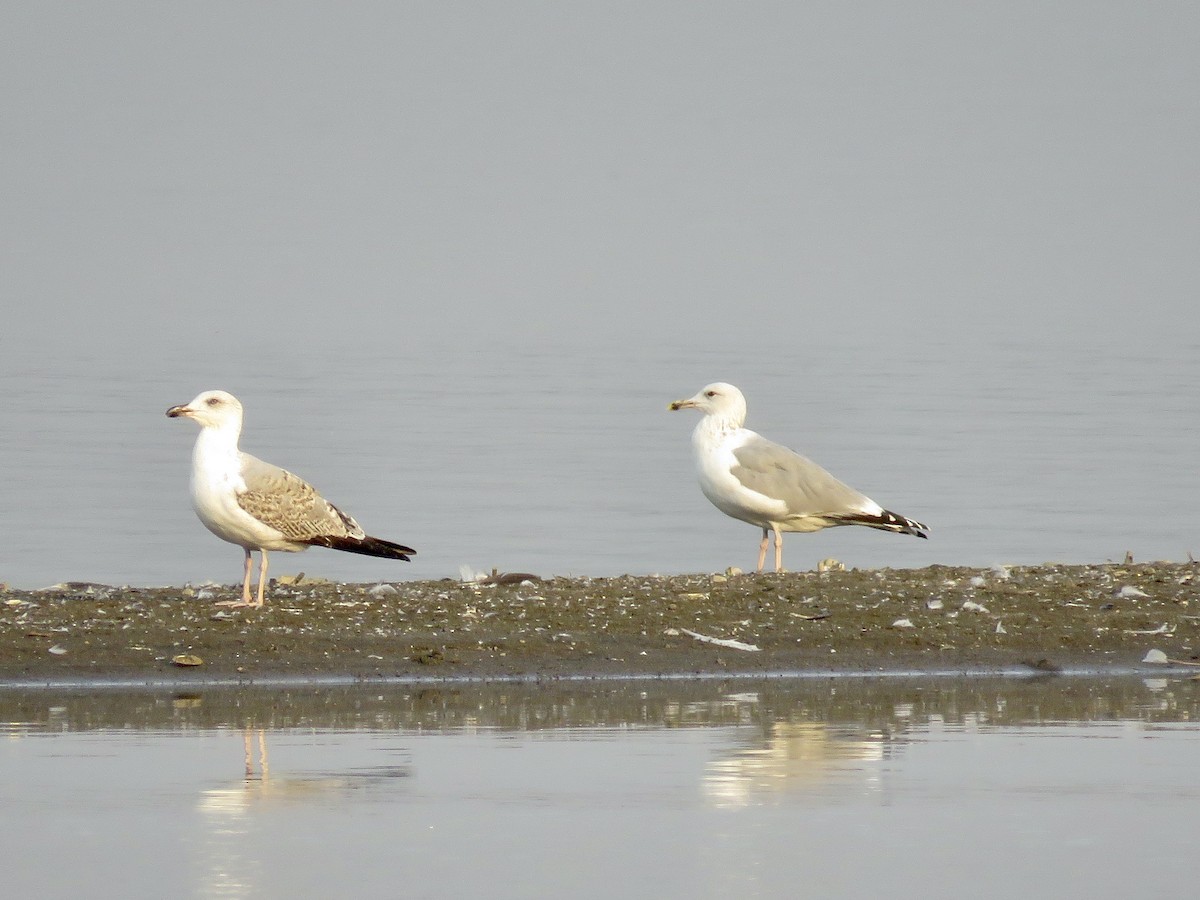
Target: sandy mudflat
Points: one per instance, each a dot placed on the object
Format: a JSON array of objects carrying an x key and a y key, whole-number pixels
[{"x": 936, "y": 619}]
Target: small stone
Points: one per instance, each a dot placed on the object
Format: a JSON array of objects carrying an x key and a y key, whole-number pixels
[
  {"x": 903, "y": 623},
  {"x": 1129, "y": 592},
  {"x": 1157, "y": 657},
  {"x": 187, "y": 660}
]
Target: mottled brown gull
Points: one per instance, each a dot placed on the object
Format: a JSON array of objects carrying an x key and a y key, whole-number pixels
[
  {"x": 758, "y": 481},
  {"x": 258, "y": 506}
]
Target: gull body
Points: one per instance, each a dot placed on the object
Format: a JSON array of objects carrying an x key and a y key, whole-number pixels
[
  {"x": 765, "y": 484},
  {"x": 259, "y": 506}
]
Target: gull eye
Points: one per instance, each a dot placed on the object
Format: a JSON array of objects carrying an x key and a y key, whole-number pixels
[
  {"x": 213, "y": 401},
  {"x": 710, "y": 393}
]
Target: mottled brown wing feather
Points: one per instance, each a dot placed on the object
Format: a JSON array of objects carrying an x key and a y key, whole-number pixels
[{"x": 291, "y": 505}]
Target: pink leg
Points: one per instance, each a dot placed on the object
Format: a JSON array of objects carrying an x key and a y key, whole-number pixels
[
  {"x": 778, "y": 548},
  {"x": 762, "y": 551},
  {"x": 246, "y": 579},
  {"x": 262, "y": 578},
  {"x": 245, "y": 601}
]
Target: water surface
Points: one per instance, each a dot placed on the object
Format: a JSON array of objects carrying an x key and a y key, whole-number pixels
[
  {"x": 566, "y": 462},
  {"x": 992, "y": 788}
]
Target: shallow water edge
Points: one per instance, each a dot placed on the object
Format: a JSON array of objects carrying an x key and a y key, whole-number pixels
[{"x": 864, "y": 701}]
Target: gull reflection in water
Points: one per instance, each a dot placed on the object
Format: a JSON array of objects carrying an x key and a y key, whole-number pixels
[
  {"x": 796, "y": 758},
  {"x": 232, "y": 868},
  {"x": 259, "y": 787}
]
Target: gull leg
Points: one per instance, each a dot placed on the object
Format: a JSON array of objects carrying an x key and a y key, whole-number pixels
[
  {"x": 246, "y": 579},
  {"x": 262, "y": 578},
  {"x": 762, "y": 551},
  {"x": 245, "y": 601},
  {"x": 778, "y": 548}
]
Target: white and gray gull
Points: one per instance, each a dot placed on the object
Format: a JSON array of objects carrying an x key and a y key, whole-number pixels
[
  {"x": 258, "y": 506},
  {"x": 758, "y": 481}
]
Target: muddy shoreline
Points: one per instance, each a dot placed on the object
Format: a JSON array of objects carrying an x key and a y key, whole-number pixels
[{"x": 940, "y": 619}]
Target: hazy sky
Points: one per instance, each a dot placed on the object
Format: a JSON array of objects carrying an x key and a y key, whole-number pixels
[
  {"x": 534, "y": 167},
  {"x": 332, "y": 207}
]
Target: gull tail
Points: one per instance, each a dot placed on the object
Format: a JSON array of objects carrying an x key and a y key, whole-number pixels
[
  {"x": 367, "y": 546},
  {"x": 886, "y": 520}
]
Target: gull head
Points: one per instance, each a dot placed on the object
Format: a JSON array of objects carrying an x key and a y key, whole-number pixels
[
  {"x": 212, "y": 409},
  {"x": 721, "y": 400}
]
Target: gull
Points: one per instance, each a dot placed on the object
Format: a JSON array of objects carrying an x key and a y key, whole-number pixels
[
  {"x": 758, "y": 481},
  {"x": 258, "y": 506}
]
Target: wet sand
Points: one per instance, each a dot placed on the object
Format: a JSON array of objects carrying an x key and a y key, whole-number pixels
[{"x": 937, "y": 619}]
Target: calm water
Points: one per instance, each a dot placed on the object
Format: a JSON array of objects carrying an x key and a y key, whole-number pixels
[
  {"x": 564, "y": 460},
  {"x": 916, "y": 788},
  {"x": 456, "y": 262}
]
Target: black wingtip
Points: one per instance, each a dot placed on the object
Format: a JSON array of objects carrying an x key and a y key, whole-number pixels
[
  {"x": 368, "y": 546},
  {"x": 888, "y": 521},
  {"x": 903, "y": 525}
]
